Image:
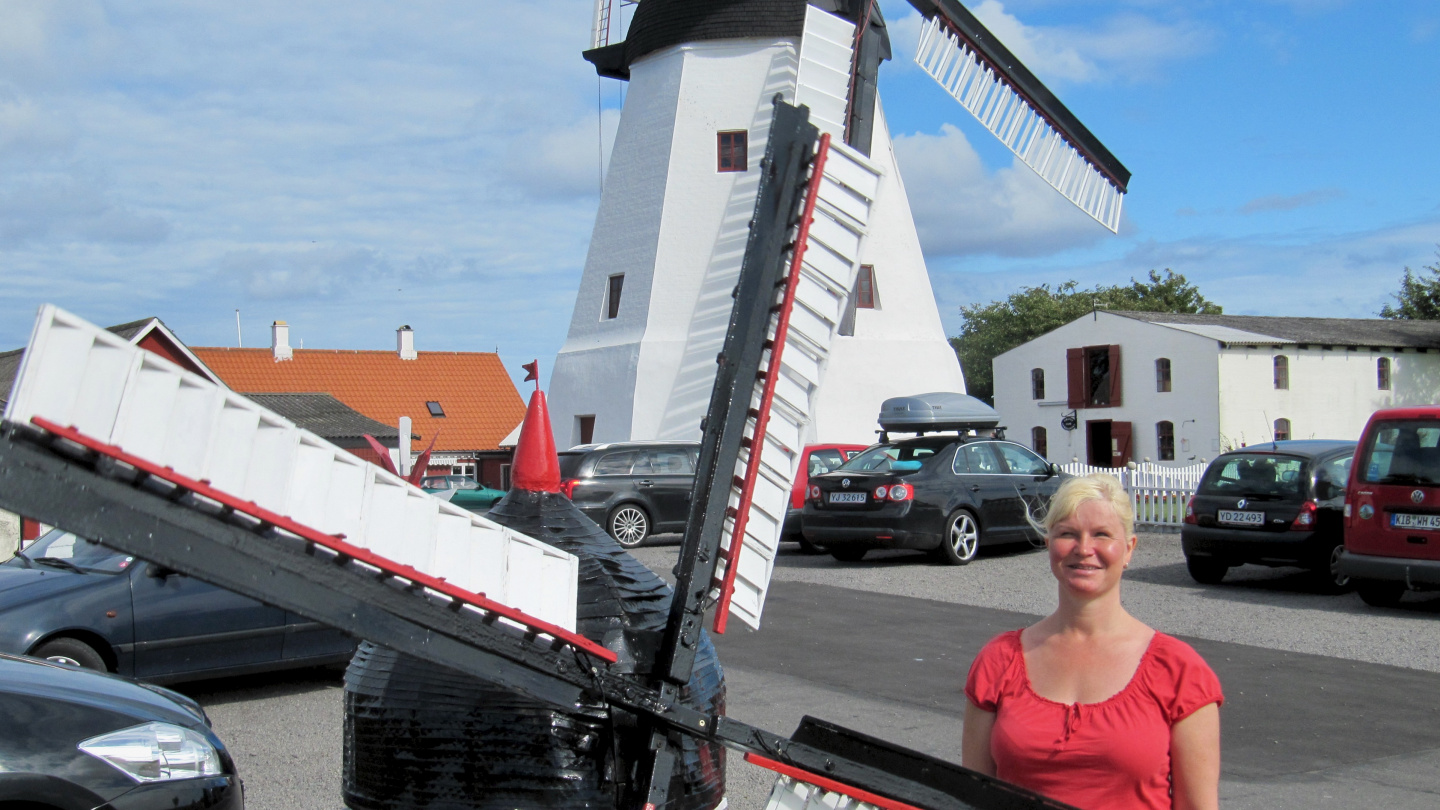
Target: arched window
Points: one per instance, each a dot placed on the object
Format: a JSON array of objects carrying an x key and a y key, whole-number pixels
[
  {"x": 1038, "y": 440},
  {"x": 1162, "y": 375},
  {"x": 1165, "y": 440},
  {"x": 1282, "y": 372},
  {"x": 1282, "y": 429},
  {"x": 1037, "y": 383},
  {"x": 1382, "y": 374}
]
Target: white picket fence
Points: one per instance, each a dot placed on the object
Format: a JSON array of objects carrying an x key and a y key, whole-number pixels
[{"x": 1158, "y": 493}]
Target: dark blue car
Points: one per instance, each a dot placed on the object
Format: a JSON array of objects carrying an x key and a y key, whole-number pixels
[{"x": 71, "y": 600}]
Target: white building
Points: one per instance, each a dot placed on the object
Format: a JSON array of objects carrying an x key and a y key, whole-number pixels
[
  {"x": 1113, "y": 387},
  {"x": 655, "y": 297}
]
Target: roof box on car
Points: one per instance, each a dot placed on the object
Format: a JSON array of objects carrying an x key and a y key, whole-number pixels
[{"x": 932, "y": 413}]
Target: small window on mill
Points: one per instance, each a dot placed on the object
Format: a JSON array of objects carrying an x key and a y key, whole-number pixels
[
  {"x": 1162, "y": 375},
  {"x": 1282, "y": 430},
  {"x": 1037, "y": 384},
  {"x": 1382, "y": 374},
  {"x": 435, "y": 409},
  {"x": 613, "y": 289},
  {"x": 732, "y": 153},
  {"x": 1282, "y": 372}
]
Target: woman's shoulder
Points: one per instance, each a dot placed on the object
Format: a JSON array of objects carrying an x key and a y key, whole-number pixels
[
  {"x": 1179, "y": 677},
  {"x": 1002, "y": 647},
  {"x": 996, "y": 671}
]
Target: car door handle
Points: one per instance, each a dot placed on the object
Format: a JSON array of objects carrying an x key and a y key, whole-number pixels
[
  {"x": 645, "y": 482},
  {"x": 974, "y": 487}
]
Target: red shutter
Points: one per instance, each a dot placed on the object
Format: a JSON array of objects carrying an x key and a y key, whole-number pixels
[
  {"x": 1120, "y": 443},
  {"x": 1075, "y": 377},
  {"x": 1115, "y": 378}
]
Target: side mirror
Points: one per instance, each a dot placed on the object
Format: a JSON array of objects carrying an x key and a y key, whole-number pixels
[
  {"x": 158, "y": 571},
  {"x": 1053, "y": 470}
]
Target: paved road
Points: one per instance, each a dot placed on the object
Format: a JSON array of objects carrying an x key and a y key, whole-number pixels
[{"x": 1329, "y": 703}]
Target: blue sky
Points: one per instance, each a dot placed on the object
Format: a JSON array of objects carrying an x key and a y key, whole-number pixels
[{"x": 350, "y": 167}]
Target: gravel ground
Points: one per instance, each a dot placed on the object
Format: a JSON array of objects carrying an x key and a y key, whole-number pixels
[{"x": 1273, "y": 608}]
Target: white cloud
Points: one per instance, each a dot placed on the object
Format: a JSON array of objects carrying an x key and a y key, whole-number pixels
[
  {"x": 1290, "y": 202},
  {"x": 961, "y": 208},
  {"x": 1126, "y": 46}
]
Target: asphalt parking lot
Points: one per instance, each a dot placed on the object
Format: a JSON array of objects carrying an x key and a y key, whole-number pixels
[{"x": 1330, "y": 703}]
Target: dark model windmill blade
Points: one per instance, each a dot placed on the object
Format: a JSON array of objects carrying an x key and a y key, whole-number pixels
[{"x": 1004, "y": 96}]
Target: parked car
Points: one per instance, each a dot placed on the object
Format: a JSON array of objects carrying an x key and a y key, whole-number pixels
[
  {"x": 463, "y": 491},
  {"x": 814, "y": 460},
  {"x": 1276, "y": 504},
  {"x": 633, "y": 489},
  {"x": 77, "y": 740},
  {"x": 1392, "y": 507},
  {"x": 945, "y": 493},
  {"x": 74, "y": 601}
]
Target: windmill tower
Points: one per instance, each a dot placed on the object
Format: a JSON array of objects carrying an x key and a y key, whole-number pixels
[{"x": 654, "y": 298}]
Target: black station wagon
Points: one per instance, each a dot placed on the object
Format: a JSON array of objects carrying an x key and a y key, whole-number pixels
[{"x": 633, "y": 489}]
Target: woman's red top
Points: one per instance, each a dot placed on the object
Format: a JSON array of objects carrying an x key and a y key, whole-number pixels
[{"x": 1111, "y": 754}]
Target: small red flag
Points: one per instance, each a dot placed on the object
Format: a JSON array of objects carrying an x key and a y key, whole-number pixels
[{"x": 532, "y": 370}]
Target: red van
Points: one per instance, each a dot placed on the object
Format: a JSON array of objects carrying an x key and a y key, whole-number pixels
[{"x": 1392, "y": 506}]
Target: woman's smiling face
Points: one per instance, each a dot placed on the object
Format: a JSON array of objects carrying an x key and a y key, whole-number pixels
[{"x": 1088, "y": 549}]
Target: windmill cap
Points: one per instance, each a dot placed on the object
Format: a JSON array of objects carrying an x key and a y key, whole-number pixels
[{"x": 536, "y": 466}]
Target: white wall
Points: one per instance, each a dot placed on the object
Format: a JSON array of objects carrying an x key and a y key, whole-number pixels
[
  {"x": 1191, "y": 405},
  {"x": 9, "y": 534},
  {"x": 899, "y": 348},
  {"x": 1332, "y": 390}
]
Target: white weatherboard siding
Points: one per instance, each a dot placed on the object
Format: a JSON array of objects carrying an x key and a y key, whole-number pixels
[
  {"x": 899, "y": 348},
  {"x": 1332, "y": 390},
  {"x": 1191, "y": 405},
  {"x": 677, "y": 229}
]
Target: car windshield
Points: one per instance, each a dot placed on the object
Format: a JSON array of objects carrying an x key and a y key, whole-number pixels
[
  {"x": 1263, "y": 477},
  {"x": 61, "y": 549},
  {"x": 1402, "y": 452},
  {"x": 880, "y": 458}
]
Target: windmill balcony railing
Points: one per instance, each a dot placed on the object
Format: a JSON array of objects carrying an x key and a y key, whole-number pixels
[{"x": 1158, "y": 493}]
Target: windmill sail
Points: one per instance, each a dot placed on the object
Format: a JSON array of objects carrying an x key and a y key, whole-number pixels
[{"x": 973, "y": 67}]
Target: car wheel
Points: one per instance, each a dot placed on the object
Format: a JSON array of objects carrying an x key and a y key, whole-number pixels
[
  {"x": 849, "y": 553},
  {"x": 960, "y": 541},
  {"x": 1327, "y": 575},
  {"x": 807, "y": 547},
  {"x": 1206, "y": 570},
  {"x": 72, "y": 652},
  {"x": 1380, "y": 593},
  {"x": 629, "y": 525}
]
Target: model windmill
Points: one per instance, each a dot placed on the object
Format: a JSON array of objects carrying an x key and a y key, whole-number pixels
[{"x": 655, "y": 294}]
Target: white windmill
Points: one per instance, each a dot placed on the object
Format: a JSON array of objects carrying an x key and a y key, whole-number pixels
[{"x": 654, "y": 298}]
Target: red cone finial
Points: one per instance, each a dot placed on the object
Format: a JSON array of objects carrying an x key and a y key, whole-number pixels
[{"x": 537, "y": 468}]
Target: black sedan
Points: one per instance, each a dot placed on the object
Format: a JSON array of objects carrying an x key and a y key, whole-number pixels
[
  {"x": 1276, "y": 504},
  {"x": 944, "y": 493},
  {"x": 72, "y": 600},
  {"x": 77, "y": 740}
]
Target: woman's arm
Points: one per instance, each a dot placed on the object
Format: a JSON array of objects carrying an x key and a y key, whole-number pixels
[
  {"x": 1194, "y": 759},
  {"x": 975, "y": 742}
]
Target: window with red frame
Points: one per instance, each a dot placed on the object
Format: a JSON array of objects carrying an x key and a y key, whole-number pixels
[
  {"x": 865, "y": 297},
  {"x": 732, "y": 157}
]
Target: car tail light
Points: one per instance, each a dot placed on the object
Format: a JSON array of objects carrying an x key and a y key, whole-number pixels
[
  {"x": 880, "y": 492},
  {"x": 567, "y": 487},
  {"x": 814, "y": 492},
  {"x": 1305, "y": 521},
  {"x": 1190, "y": 511},
  {"x": 901, "y": 492}
]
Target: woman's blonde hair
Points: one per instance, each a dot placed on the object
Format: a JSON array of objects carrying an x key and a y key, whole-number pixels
[{"x": 1075, "y": 491}]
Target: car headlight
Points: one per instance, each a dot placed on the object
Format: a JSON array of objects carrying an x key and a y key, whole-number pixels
[{"x": 156, "y": 752}]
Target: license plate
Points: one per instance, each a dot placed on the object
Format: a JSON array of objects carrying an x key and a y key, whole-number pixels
[
  {"x": 1237, "y": 518},
  {"x": 847, "y": 497},
  {"x": 1404, "y": 521}
]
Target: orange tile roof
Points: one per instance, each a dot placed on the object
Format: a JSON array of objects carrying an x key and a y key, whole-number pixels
[{"x": 480, "y": 401}]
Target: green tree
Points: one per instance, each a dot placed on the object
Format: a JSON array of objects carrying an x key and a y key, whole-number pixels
[
  {"x": 999, "y": 326},
  {"x": 1419, "y": 296}
]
